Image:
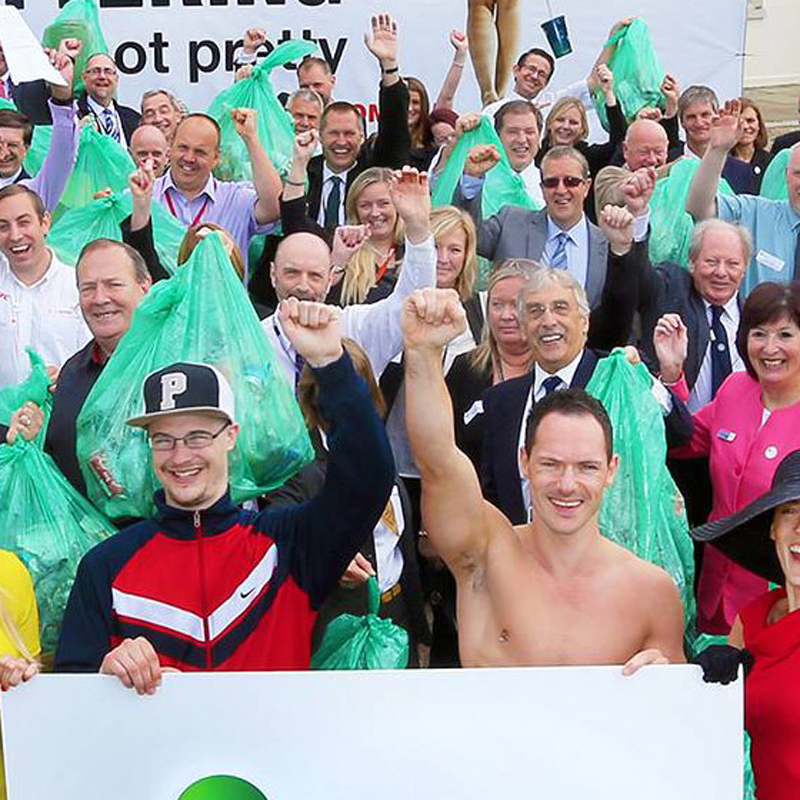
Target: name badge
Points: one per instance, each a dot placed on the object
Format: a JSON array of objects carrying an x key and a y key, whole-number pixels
[
  {"x": 726, "y": 436},
  {"x": 475, "y": 409},
  {"x": 770, "y": 261}
]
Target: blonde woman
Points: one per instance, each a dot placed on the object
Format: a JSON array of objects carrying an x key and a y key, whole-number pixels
[
  {"x": 371, "y": 272},
  {"x": 19, "y": 631}
]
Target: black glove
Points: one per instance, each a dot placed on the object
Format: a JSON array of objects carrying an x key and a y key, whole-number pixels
[{"x": 720, "y": 663}]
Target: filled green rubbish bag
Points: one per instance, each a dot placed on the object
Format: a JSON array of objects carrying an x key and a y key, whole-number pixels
[
  {"x": 101, "y": 220},
  {"x": 671, "y": 224},
  {"x": 275, "y": 126},
  {"x": 79, "y": 19},
  {"x": 42, "y": 518},
  {"x": 367, "y": 642},
  {"x": 643, "y": 510},
  {"x": 773, "y": 184},
  {"x": 40, "y": 147},
  {"x": 637, "y": 72},
  {"x": 101, "y": 163},
  {"x": 202, "y": 315},
  {"x": 502, "y": 186}
]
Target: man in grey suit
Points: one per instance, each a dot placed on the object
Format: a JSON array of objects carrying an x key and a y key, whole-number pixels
[{"x": 560, "y": 235}]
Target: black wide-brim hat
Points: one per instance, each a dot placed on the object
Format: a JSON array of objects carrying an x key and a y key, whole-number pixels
[{"x": 745, "y": 536}]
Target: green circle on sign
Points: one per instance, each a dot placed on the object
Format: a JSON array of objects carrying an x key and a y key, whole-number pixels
[{"x": 222, "y": 787}]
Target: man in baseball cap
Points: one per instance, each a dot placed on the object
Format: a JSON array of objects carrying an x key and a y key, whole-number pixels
[{"x": 205, "y": 585}]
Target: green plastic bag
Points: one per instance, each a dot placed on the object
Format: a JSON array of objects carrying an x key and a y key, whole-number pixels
[
  {"x": 643, "y": 510},
  {"x": 773, "y": 184},
  {"x": 42, "y": 518},
  {"x": 671, "y": 225},
  {"x": 79, "y": 19},
  {"x": 367, "y": 642},
  {"x": 202, "y": 314},
  {"x": 637, "y": 72},
  {"x": 501, "y": 187},
  {"x": 101, "y": 220},
  {"x": 275, "y": 126},
  {"x": 101, "y": 163}
]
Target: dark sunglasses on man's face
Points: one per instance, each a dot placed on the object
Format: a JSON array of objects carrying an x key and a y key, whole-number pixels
[{"x": 570, "y": 181}]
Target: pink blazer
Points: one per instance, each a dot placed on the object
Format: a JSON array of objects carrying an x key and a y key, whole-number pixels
[{"x": 743, "y": 456}]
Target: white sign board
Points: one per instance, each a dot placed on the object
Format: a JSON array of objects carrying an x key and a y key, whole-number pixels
[
  {"x": 567, "y": 733},
  {"x": 187, "y": 45}
]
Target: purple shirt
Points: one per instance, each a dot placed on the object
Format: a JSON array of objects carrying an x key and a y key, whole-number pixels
[
  {"x": 229, "y": 204},
  {"x": 51, "y": 181}
]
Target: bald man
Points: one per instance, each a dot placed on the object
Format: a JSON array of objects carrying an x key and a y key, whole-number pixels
[
  {"x": 148, "y": 142},
  {"x": 646, "y": 145}
]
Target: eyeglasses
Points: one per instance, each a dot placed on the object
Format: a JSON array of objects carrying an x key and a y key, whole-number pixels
[
  {"x": 196, "y": 440},
  {"x": 534, "y": 72},
  {"x": 570, "y": 181},
  {"x": 96, "y": 71}
]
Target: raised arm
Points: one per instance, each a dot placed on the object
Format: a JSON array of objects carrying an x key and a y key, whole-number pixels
[
  {"x": 324, "y": 534},
  {"x": 376, "y": 326},
  {"x": 453, "y": 78},
  {"x": 266, "y": 180},
  {"x": 702, "y": 200},
  {"x": 453, "y": 509}
]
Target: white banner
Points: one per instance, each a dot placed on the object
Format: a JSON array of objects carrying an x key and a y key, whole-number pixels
[
  {"x": 187, "y": 46},
  {"x": 495, "y": 734}
]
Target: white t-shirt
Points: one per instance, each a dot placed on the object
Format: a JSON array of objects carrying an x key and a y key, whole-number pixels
[{"x": 45, "y": 316}]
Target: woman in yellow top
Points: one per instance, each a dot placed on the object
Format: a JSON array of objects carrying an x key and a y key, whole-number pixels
[{"x": 19, "y": 630}]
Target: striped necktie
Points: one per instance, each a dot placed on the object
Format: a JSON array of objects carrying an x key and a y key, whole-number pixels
[
  {"x": 559, "y": 258},
  {"x": 110, "y": 124}
]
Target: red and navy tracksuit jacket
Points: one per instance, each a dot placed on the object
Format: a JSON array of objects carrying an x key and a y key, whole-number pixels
[{"x": 230, "y": 589}]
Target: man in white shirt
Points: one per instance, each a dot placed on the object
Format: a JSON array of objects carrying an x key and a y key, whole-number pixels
[
  {"x": 39, "y": 305},
  {"x": 302, "y": 269}
]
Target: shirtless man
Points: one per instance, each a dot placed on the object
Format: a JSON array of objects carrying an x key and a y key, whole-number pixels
[{"x": 554, "y": 591}]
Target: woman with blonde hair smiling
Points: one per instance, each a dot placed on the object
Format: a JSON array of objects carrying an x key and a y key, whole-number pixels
[{"x": 371, "y": 272}]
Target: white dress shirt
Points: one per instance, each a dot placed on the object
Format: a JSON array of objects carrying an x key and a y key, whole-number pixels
[
  {"x": 45, "y": 316},
  {"x": 701, "y": 391},
  {"x": 375, "y": 326}
]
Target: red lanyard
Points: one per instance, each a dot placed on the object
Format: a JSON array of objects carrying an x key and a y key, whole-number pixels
[
  {"x": 199, "y": 214},
  {"x": 384, "y": 266}
]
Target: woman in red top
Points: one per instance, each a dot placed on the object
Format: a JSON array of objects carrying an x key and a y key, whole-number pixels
[{"x": 765, "y": 637}]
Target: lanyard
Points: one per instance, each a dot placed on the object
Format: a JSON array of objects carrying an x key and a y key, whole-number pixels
[
  {"x": 384, "y": 265},
  {"x": 199, "y": 214},
  {"x": 288, "y": 351}
]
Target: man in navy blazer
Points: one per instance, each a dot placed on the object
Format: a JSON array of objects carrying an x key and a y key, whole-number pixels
[
  {"x": 554, "y": 310},
  {"x": 560, "y": 235}
]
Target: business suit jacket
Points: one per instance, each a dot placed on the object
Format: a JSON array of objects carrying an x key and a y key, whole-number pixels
[
  {"x": 520, "y": 233},
  {"x": 389, "y": 149},
  {"x": 669, "y": 289},
  {"x": 129, "y": 117},
  {"x": 503, "y": 407},
  {"x": 31, "y": 99}
]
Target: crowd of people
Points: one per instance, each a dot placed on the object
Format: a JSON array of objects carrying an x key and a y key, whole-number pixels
[{"x": 440, "y": 358}]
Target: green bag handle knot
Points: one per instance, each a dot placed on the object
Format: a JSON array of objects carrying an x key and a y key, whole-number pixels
[
  {"x": 284, "y": 54},
  {"x": 36, "y": 389},
  {"x": 374, "y": 596}
]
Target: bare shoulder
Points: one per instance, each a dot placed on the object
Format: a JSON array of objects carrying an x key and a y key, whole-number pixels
[{"x": 651, "y": 582}]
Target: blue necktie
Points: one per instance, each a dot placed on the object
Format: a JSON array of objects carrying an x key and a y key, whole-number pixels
[
  {"x": 720, "y": 350},
  {"x": 552, "y": 384},
  {"x": 299, "y": 363},
  {"x": 559, "y": 258},
  {"x": 110, "y": 124}
]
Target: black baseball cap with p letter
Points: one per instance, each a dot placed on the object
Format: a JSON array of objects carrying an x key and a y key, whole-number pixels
[{"x": 185, "y": 387}]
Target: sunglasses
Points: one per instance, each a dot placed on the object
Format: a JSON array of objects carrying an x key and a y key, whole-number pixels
[{"x": 571, "y": 182}]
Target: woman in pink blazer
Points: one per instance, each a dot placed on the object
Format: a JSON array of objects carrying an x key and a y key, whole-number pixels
[{"x": 746, "y": 430}]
